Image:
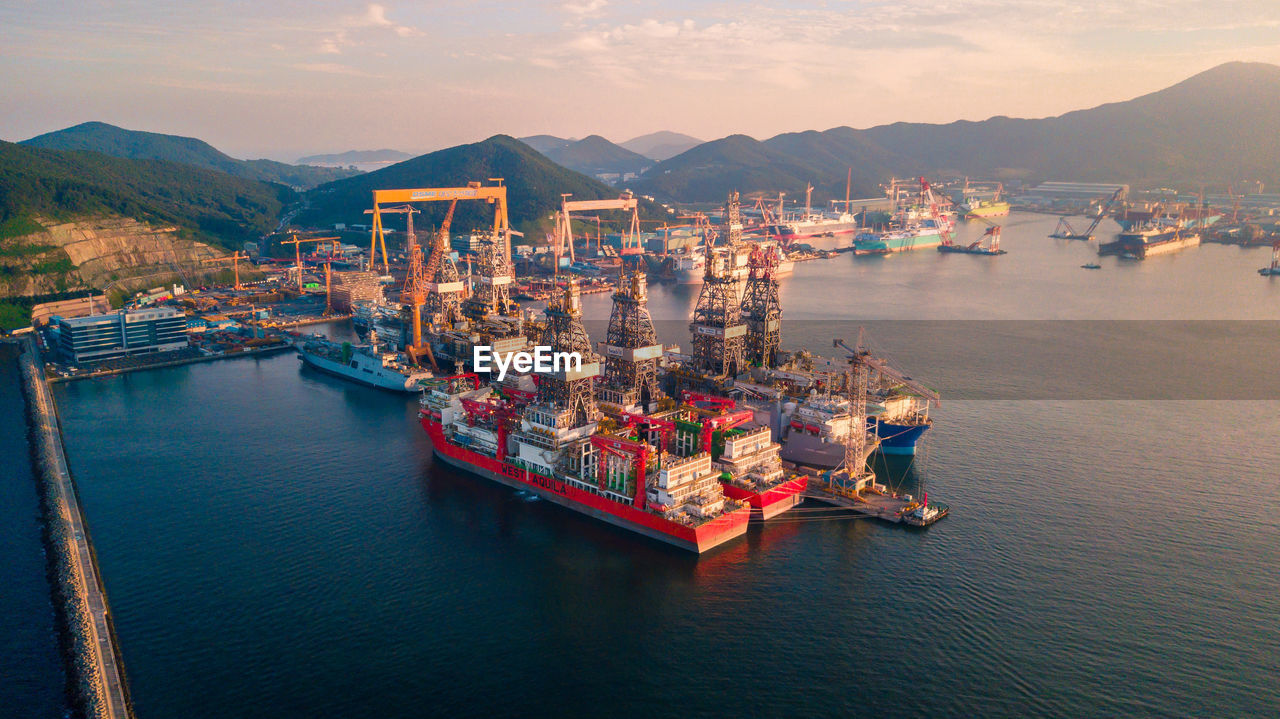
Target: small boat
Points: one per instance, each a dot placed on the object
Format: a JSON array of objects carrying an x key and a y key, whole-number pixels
[
  {"x": 925, "y": 514},
  {"x": 1092, "y": 266}
]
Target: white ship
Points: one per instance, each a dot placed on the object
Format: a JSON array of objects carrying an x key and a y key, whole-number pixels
[
  {"x": 690, "y": 267},
  {"x": 366, "y": 364}
]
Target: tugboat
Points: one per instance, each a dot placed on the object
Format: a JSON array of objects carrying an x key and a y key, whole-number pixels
[
  {"x": 923, "y": 514},
  {"x": 1091, "y": 266}
]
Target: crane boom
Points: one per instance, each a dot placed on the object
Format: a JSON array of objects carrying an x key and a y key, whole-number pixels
[{"x": 864, "y": 357}]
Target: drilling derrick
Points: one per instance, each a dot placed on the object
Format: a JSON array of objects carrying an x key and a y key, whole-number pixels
[
  {"x": 570, "y": 390},
  {"x": 762, "y": 309},
  {"x": 631, "y": 349},
  {"x": 491, "y": 294},
  {"x": 444, "y": 287},
  {"x": 718, "y": 332},
  {"x": 733, "y": 220}
]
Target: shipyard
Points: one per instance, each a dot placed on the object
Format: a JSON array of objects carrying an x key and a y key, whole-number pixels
[{"x": 712, "y": 359}]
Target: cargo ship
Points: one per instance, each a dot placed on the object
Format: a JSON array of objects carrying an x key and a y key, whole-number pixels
[
  {"x": 815, "y": 225},
  {"x": 541, "y": 449},
  {"x": 1149, "y": 241},
  {"x": 367, "y": 364},
  {"x": 689, "y": 268},
  {"x": 899, "y": 420},
  {"x": 914, "y": 237},
  {"x": 1197, "y": 218},
  {"x": 985, "y": 208}
]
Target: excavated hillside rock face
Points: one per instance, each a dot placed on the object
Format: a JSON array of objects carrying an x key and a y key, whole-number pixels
[{"x": 95, "y": 252}]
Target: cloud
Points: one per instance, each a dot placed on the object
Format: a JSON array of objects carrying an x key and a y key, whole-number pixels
[
  {"x": 375, "y": 15},
  {"x": 373, "y": 19},
  {"x": 586, "y": 8},
  {"x": 331, "y": 68}
]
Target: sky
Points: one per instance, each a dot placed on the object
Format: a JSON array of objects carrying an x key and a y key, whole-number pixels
[{"x": 286, "y": 78}]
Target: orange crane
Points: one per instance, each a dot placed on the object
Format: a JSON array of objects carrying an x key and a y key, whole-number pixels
[
  {"x": 297, "y": 243},
  {"x": 235, "y": 259},
  {"x": 439, "y": 248},
  {"x": 564, "y": 229}
]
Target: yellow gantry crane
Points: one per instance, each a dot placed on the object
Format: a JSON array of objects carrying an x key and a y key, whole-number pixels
[
  {"x": 416, "y": 282},
  {"x": 495, "y": 195},
  {"x": 235, "y": 259},
  {"x": 563, "y": 239}
]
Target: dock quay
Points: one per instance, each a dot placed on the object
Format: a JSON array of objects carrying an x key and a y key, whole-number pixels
[
  {"x": 299, "y": 321},
  {"x": 875, "y": 501},
  {"x": 96, "y": 667},
  {"x": 887, "y": 507},
  {"x": 174, "y": 362}
]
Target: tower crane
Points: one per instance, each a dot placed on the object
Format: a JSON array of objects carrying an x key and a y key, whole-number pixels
[
  {"x": 235, "y": 259},
  {"x": 297, "y": 243}
]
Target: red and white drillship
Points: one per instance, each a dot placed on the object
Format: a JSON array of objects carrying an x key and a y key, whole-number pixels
[{"x": 614, "y": 478}]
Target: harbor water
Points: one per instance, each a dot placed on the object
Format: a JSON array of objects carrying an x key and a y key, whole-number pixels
[
  {"x": 276, "y": 542},
  {"x": 32, "y": 681}
]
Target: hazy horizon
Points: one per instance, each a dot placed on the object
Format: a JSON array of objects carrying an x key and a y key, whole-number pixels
[{"x": 292, "y": 79}]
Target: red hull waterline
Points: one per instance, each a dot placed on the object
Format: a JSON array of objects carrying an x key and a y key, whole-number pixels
[
  {"x": 770, "y": 503},
  {"x": 695, "y": 539}
]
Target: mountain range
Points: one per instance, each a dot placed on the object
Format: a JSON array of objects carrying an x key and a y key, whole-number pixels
[
  {"x": 1216, "y": 127},
  {"x": 355, "y": 157},
  {"x": 67, "y": 184},
  {"x": 138, "y": 145},
  {"x": 594, "y": 155},
  {"x": 661, "y": 145},
  {"x": 535, "y": 183}
]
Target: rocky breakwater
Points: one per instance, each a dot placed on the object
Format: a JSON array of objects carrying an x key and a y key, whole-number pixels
[{"x": 99, "y": 688}]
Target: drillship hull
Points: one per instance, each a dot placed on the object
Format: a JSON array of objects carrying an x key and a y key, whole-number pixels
[
  {"x": 695, "y": 539},
  {"x": 897, "y": 438},
  {"x": 894, "y": 242},
  {"x": 390, "y": 381},
  {"x": 770, "y": 503}
]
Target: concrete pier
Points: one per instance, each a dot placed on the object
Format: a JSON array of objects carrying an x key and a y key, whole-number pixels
[{"x": 102, "y": 691}]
